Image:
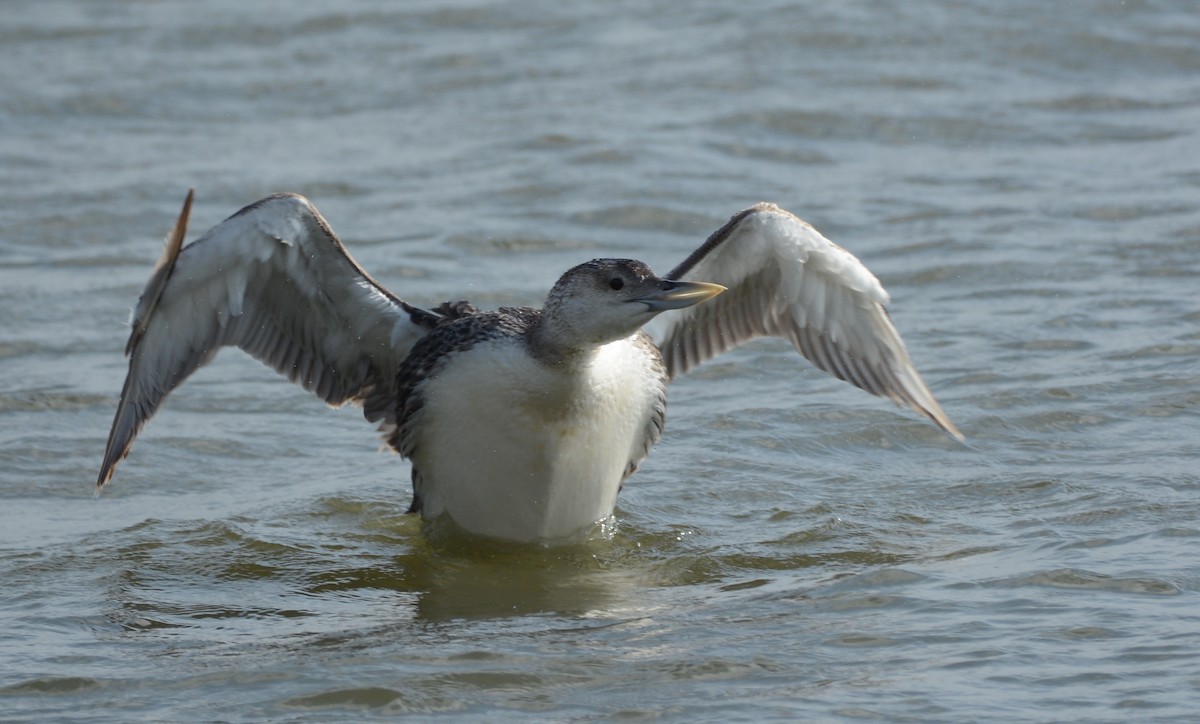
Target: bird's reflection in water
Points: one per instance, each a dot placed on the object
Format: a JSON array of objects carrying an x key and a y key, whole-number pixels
[{"x": 453, "y": 575}]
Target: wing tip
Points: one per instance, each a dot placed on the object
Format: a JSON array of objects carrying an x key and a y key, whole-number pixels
[
  {"x": 928, "y": 406},
  {"x": 944, "y": 422},
  {"x": 108, "y": 468}
]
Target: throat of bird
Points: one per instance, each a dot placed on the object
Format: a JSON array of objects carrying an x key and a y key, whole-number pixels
[{"x": 553, "y": 351}]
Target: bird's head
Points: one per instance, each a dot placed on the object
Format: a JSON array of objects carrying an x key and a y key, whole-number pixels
[{"x": 604, "y": 300}]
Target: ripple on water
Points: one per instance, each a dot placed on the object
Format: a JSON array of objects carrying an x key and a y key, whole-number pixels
[
  {"x": 52, "y": 685},
  {"x": 646, "y": 217},
  {"x": 1074, "y": 578},
  {"x": 381, "y": 700},
  {"x": 1097, "y": 103},
  {"x": 48, "y": 399}
]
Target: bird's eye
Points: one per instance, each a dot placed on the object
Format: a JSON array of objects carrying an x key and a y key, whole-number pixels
[{"x": 616, "y": 283}]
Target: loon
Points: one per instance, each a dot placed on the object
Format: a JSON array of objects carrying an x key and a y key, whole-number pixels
[{"x": 521, "y": 424}]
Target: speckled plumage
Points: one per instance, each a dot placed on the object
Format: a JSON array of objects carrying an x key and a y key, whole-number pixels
[{"x": 439, "y": 348}]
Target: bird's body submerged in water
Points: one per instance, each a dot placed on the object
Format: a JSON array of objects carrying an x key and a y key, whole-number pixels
[{"x": 521, "y": 424}]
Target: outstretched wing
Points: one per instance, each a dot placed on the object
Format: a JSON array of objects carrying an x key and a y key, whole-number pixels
[
  {"x": 786, "y": 280},
  {"x": 274, "y": 280}
]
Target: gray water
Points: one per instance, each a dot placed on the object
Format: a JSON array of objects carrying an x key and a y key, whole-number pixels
[{"x": 1024, "y": 177}]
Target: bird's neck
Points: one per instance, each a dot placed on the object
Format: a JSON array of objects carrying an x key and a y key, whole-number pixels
[{"x": 554, "y": 346}]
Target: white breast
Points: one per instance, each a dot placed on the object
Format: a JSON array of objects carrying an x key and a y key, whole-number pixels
[{"x": 511, "y": 448}]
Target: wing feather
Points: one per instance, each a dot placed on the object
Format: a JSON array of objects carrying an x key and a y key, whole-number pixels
[
  {"x": 274, "y": 280},
  {"x": 787, "y": 280}
]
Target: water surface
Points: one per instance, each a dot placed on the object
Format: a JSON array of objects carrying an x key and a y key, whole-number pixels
[{"x": 1022, "y": 177}]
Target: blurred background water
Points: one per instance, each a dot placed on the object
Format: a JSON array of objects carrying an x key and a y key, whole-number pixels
[{"x": 1022, "y": 176}]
